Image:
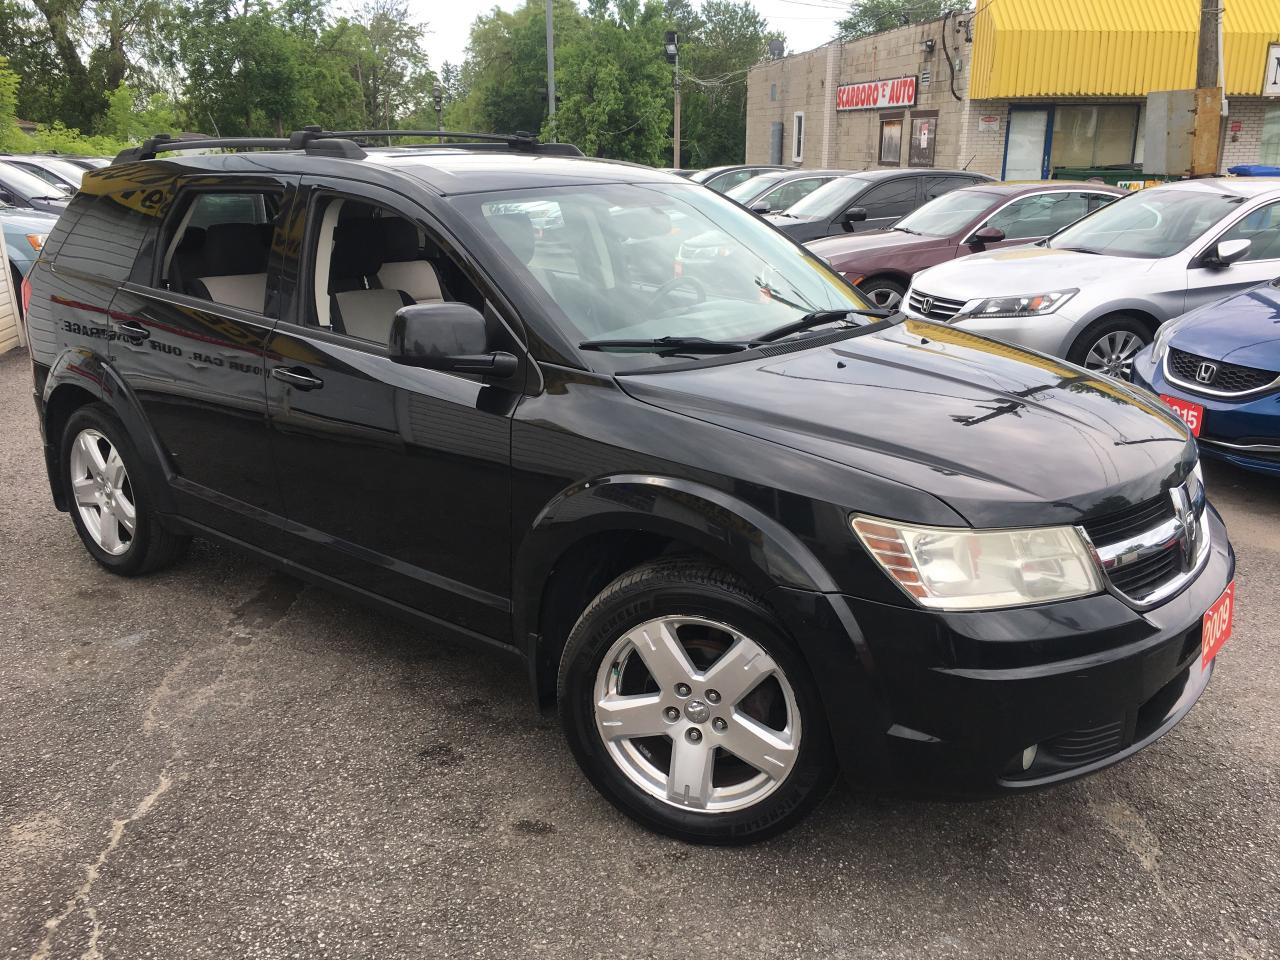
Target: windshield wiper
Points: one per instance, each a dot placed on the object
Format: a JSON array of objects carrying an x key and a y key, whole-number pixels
[
  {"x": 1096, "y": 253},
  {"x": 817, "y": 319},
  {"x": 782, "y": 213},
  {"x": 666, "y": 345}
]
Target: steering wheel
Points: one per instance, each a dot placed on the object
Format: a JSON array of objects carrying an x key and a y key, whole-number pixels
[{"x": 663, "y": 291}]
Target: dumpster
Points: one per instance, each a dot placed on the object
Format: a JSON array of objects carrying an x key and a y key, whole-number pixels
[
  {"x": 1254, "y": 170},
  {"x": 1126, "y": 176}
]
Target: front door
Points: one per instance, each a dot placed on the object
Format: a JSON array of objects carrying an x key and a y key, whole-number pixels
[
  {"x": 395, "y": 479},
  {"x": 1261, "y": 227},
  {"x": 191, "y": 328},
  {"x": 1025, "y": 155}
]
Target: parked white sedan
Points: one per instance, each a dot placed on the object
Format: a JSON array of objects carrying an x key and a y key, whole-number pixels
[{"x": 1096, "y": 292}]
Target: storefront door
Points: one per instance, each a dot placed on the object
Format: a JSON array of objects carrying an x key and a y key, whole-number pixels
[{"x": 1025, "y": 154}]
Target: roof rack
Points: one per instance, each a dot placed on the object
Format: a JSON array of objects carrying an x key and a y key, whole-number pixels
[
  {"x": 311, "y": 139},
  {"x": 522, "y": 141}
]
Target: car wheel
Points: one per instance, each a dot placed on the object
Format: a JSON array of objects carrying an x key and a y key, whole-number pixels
[
  {"x": 883, "y": 294},
  {"x": 686, "y": 705},
  {"x": 1110, "y": 346},
  {"x": 108, "y": 501}
]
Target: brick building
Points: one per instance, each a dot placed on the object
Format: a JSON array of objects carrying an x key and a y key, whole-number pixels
[{"x": 1017, "y": 89}]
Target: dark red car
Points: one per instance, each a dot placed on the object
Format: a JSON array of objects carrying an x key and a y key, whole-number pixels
[{"x": 957, "y": 223}]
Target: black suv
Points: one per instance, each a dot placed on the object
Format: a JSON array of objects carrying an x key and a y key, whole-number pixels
[{"x": 742, "y": 529}]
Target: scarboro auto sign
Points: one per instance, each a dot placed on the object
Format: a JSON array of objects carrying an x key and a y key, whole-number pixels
[{"x": 876, "y": 94}]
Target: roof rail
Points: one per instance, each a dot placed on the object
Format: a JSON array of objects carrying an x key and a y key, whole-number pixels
[
  {"x": 521, "y": 141},
  {"x": 312, "y": 140}
]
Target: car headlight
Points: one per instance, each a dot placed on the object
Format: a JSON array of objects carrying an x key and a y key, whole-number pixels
[
  {"x": 1161, "y": 343},
  {"x": 955, "y": 568},
  {"x": 1033, "y": 305},
  {"x": 37, "y": 240}
]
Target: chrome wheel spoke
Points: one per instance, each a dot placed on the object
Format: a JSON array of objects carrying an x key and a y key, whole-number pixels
[
  {"x": 85, "y": 491},
  {"x": 662, "y": 653},
  {"x": 885, "y": 299},
  {"x": 640, "y": 715},
  {"x": 109, "y": 531},
  {"x": 689, "y": 781},
  {"x": 93, "y": 459},
  {"x": 739, "y": 670},
  {"x": 113, "y": 469},
  {"x": 769, "y": 751},
  {"x": 126, "y": 513}
]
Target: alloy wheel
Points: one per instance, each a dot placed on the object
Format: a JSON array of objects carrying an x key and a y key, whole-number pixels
[
  {"x": 1113, "y": 354},
  {"x": 883, "y": 298},
  {"x": 103, "y": 494},
  {"x": 696, "y": 714}
]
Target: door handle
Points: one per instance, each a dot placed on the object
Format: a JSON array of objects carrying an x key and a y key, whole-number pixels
[
  {"x": 133, "y": 330},
  {"x": 299, "y": 377}
]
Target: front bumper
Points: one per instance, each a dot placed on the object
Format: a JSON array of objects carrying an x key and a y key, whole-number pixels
[
  {"x": 1243, "y": 431},
  {"x": 948, "y": 702}
]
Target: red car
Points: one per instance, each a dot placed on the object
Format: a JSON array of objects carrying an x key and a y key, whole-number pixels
[{"x": 964, "y": 221}]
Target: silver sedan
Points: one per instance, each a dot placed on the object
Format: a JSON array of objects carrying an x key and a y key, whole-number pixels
[{"x": 1096, "y": 292}]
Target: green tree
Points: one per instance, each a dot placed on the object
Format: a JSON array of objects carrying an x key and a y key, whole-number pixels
[
  {"x": 866, "y": 17},
  {"x": 131, "y": 116}
]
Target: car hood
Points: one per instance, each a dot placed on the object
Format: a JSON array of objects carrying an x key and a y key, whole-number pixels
[
  {"x": 1244, "y": 329},
  {"x": 855, "y": 246},
  {"x": 1004, "y": 436},
  {"x": 27, "y": 221},
  {"x": 1016, "y": 271}
]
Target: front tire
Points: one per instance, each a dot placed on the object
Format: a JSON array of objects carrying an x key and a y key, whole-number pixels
[
  {"x": 1110, "y": 345},
  {"x": 687, "y": 706},
  {"x": 108, "y": 499},
  {"x": 884, "y": 294}
]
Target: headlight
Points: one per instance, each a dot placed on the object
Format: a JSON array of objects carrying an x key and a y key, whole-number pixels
[
  {"x": 1161, "y": 343},
  {"x": 1033, "y": 305},
  {"x": 954, "y": 568},
  {"x": 37, "y": 240}
]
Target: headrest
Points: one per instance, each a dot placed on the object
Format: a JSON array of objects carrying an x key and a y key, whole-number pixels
[
  {"x": 231, "y": 249},
  {"x": 357, "y": 248},
  {"x": 516, "y": 231},
  {"x": 400, "y": 240}
]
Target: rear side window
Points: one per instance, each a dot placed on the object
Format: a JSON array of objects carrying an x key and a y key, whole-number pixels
[{"x": 103, "y": 234}]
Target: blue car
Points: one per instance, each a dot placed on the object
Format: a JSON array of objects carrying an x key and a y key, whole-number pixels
[
  {"x": 25, "y": 232},
  {"x": 1218, "y": 367}
]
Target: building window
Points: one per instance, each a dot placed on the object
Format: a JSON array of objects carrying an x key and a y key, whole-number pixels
[
  {"x": 773, "y": 91},
  {"x": 1094, "y": 136},
  {"x": 891, "y": 140},
  {"x": 797, "y": 138},
  {"x": 1269, "y": 152},
  {"x": 924, "y": 135}
]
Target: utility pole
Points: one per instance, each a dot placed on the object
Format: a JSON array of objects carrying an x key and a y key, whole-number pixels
[
  {"x": 551, "y": 72},
  {"x": 671, "y": 47},
  {"x": 1210, "y": 92},
  {"x": 437, "y": 97}
]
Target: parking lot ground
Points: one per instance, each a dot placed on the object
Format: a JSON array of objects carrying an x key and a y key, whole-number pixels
[{"x": 219, "y": 762}]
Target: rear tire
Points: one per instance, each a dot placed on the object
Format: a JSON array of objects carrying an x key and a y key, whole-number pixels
[
  {"x": 1109, "y": 345},
  {"x": 884, "y": 294},
  {"x": 109, "y": 503},
  {"x": 687, "y": 706}
]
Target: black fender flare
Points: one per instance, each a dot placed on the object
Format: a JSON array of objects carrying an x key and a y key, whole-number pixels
[
  {"x": 740, "y": 536},
  {"x": 78, "y": 368}
]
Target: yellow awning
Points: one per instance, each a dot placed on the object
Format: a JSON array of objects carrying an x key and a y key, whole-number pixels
[{"x": 1111, "y": 48}]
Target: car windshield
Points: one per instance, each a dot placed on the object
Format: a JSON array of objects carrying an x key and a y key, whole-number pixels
[
  {"x": 1148, "y": 224},
  {"x": 65, "y": 169},
  {"x": 829, "y": 199},
  {"x": 644, "y": 261},
  {"x": 750, "y": 189},
  {"x": 29, "y": 184},
  {"x": 944, "y": 215}
]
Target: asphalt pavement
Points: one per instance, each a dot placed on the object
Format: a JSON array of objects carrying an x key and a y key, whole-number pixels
[{"x": 219, "y": 762}]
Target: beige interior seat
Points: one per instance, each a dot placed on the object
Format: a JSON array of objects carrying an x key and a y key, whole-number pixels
[
  {"x": 360, "y": 307},
  {"x": 403, "y": 266}
]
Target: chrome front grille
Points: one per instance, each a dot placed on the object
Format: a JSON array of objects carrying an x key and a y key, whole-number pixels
[
  {"x": 933, "y": 308},
  {"x": 1216, "y": 377},
  {"x": 1148, "y": 552}
]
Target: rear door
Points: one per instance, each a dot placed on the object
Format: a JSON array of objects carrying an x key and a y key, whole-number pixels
[
  {"x": 395, "y": 479},
  {"x": 190, "y": 329}
]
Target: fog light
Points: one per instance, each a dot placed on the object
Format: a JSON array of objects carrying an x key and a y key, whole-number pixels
[{"x": 1029, "y": 756}]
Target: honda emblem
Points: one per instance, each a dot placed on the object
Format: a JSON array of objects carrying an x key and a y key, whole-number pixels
[
  {"x": 1207, "y": 372},
  {"x": 926, "y": 304}
]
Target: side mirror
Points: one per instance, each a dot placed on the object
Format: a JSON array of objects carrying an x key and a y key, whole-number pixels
[
  {"x": 761, "y": 207},
  {"x": 447, "y": 336},
  {"x": 987, "y": 235},
  {"x": 854, "y": 215},
  {"x": 1227, "y": 252}
]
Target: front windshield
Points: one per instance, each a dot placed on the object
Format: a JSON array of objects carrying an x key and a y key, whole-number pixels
[
  {"x": 1148, "y": 224},
  {"x": 66, "y": 170},
  {"x": 944, "y": 215},
  {"x": 830, "y": 198},
  {"x": 644, "y": 261},
  {"x": 29, "y": 184},
  {"x": 750, "y": 189}
]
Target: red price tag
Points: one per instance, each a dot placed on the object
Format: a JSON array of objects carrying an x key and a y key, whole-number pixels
[
  {"x": 1215, "y": 629},
  {"x": 1192, "y": 414}
]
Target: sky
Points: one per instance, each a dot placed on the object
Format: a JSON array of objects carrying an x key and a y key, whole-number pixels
[{"x": 807, "y": 23}]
